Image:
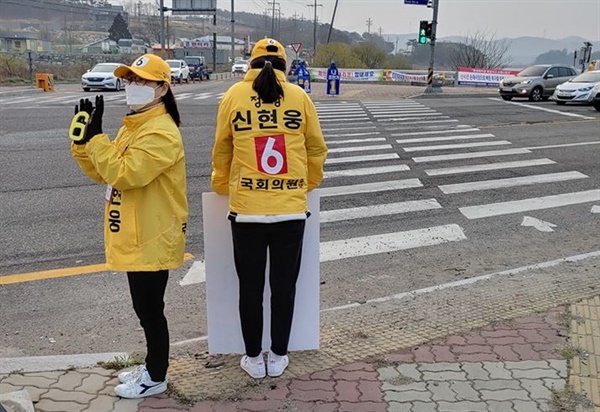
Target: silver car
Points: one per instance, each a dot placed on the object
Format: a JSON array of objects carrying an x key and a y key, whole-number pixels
[
  {"x": 580, "y": 89},
  {"x": 535, "y": 82},
  {"x": 101, "y": 77}
]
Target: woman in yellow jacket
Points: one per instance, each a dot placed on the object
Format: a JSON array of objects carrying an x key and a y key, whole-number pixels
[
  {"x": 268, "y": 153},
  {"x": 145, "y": 203}
]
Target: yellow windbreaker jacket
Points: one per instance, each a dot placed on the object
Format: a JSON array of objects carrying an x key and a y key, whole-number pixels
[
  {"x": 266, "y": 157},
  {"x": 146, "y": 208}
]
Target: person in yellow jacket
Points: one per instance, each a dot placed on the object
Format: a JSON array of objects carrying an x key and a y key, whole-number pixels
[
  {"x": 146, "y": 207},
  {"x": 269, "y": 151}
]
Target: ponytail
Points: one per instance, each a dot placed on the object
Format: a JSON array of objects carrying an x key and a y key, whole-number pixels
[
  {"x": 266, "y": 83},
  {"x": 171, "y": 106}
]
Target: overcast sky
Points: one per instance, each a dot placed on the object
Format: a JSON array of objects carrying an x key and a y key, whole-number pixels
[{"x": 554, "y": 19}]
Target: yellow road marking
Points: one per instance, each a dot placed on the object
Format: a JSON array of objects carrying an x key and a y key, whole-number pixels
[{"x": 61, "y": 273}]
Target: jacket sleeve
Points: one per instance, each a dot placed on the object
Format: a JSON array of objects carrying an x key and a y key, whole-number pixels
[
  {"x": 222, "y": 153},
  {"x": 316, "y": 150},
  {"x": 149, "y": 155},
  {"x": 85, "y": 164}
]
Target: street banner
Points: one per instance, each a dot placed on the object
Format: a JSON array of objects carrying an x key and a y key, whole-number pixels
[
  {"x": 362, "y": 75},
  {"x": 467, "y": 76},
  {"x": 398, "y": 76},
  {"x": 195, "y": 44},
  {"x": 222, "y": 291},
  {"x": 303, "y": 77}
]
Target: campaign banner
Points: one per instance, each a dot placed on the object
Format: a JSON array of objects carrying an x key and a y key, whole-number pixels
[
  {"x": 397, "y": 76},
  {"x": 350, "y": 75},
  {"x": 467, "y": 76}
]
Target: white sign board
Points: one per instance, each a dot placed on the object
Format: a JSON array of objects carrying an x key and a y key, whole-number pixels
[{"x": 224, "y": 330}]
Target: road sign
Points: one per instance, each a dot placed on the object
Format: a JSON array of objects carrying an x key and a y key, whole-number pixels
[
  {"x": 296, "y": 47},
  {"x": 417, "y": 2}
]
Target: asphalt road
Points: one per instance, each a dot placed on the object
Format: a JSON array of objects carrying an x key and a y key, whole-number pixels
[{"x": 51, "y": 215}]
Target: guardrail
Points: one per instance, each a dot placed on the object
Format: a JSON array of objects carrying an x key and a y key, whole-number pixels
[{"x": 225, "y": 75}]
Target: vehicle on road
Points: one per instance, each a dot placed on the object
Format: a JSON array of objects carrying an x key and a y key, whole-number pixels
[
  {"x": 198, "y": 67},
  {"x": 535, "y": 82},
  {"x": 101, "y": 77},
  {"x": 241, "y": 66},
  {"x": 180, "y": 71},
  {"x": 596, "y": 101},
  {"x": 580, "y": 89}
]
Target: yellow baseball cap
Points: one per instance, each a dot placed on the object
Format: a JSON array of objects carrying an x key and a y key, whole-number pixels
[
  {"x": 148, "y": 67},
  {"x": 268, "y": 47}
]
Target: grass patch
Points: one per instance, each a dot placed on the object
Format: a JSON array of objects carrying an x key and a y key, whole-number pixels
[
  {"x": 567, "y": 400},
  {"x": 122, "y": 362},
  {"x": 569, "y": 352}
]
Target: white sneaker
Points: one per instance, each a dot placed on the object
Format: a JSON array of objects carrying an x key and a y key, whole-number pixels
[
  {"x": 141, "y": 387},
  {"x": 253, "y": 366},
  {"x": 131, "y": 375},
  {"x": 277, "y": 364}
]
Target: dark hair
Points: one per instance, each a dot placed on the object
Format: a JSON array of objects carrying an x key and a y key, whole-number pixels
[
  {"x": 266, "y": 83},
  {"x": 171, "y": 105}
]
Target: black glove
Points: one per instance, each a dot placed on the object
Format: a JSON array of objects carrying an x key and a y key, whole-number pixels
[{"x": 94, "y": 124}]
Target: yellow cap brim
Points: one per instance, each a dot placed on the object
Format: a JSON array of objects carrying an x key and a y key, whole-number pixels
[{"x": 123, "y": 71}]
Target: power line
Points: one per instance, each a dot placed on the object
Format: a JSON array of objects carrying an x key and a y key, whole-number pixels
[
  {"x": 369, "y": 24},
  {"x": 315, "y": 26}
]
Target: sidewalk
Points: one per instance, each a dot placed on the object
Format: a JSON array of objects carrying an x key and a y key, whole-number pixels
[{"x": 521, "y": 340}]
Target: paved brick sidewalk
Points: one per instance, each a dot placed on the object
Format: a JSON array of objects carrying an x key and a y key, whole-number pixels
[{"x": 512, "y": 366}]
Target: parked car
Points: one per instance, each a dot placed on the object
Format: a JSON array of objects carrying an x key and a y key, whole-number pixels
[
  {"x": 535, "y": 82},
  {"x": 240, "y": 66},
  {"x": 180, "y": 71},
  {"x": 596, "y": 99},
  {"x": 578, "y": 89},
  {"x": 198, "y": 68},
  {"x": 101, "y": 77}
]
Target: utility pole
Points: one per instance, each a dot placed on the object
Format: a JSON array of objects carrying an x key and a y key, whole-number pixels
[
  {"x": 273, "y": 18},
  {"x": 369, "y": 24},
  {"x": 380, "y": 31},
  {"x": 332, "y": 20},
  {"x": 162, "y": 27},
  {"x": 429, "y": 88},
  {"x": 315, "y": 27},
  {"x": 232, "y": 32}
]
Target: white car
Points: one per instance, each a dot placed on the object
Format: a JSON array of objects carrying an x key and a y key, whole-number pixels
[
  {"x": 180, "y": 71},
  {"x": 101, "y": 77},
  {"x": 240, "y": 66},
  {"x": 581, "y": 89}
]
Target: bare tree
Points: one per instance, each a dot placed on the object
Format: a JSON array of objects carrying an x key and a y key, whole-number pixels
[{"x": 481, "y": 51}]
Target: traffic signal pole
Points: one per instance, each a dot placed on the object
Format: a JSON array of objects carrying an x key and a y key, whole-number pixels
[{"x": 429, "y": 88}]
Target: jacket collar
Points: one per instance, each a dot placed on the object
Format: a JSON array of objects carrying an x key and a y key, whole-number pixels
[
  {"x": 136, "y": 119},
  {"x": 253, "y": 74}
]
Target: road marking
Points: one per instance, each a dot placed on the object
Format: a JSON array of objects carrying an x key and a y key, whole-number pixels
[
  {"x": 456, "y": 129},
  {"x": 390, "y": 242},
  {"x": 408, "y": 124},
  {"x": 183, "y": 96},
  {"x": 353, "y": 134},
  {"x": 345, "y": 119},
  {"x": 544, "y": 109},
  {"x": 525, "y": 205},
  {"x": 350, "y": 128},
  {"x": 367, "y": 158},
  {"x": 538, "y": 224},
  {"x": 470, "y": 281},
  {"x": 595, "y": 209},
  {"x": 488, "y": 166},
  {"x": 360, "y": 148},
  {"x": 420, "y": 118},
  {"x": 410, "y": 113},
  {"x": 555, "y": 146},
  {"x": 196, "y": 274},
  {"x": 377, "y": 210},
  {"x": 366, "y": 171},
  {"x": 375, "y": 139},
  {"x": 511, "y": 182},
  {"x": 457, "y": 156},
  {"x": 371, "y": 187},
  {"x": 455, "y": 146},
  {"x": 203, "y": 96},
  {"x": 59, "y": 273},
  {"x": 444, "y": 138}
]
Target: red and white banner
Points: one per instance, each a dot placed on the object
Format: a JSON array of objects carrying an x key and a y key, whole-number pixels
[{"x": 467, "y": 76}]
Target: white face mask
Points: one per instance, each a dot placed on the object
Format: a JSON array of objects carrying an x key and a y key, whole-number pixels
[{"x": 139, "y": 96}]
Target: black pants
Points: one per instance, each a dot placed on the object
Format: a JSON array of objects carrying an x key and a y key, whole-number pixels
[
  {"x": 250, "y": 243},
  {"x": 147, "y": 293}
]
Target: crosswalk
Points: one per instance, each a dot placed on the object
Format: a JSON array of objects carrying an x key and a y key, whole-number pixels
[
  {"x": 392, "y": 160},
  {"x": 110, "y": 98}
]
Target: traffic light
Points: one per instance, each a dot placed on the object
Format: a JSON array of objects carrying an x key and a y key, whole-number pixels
[{"x": 425, "y": 29}]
